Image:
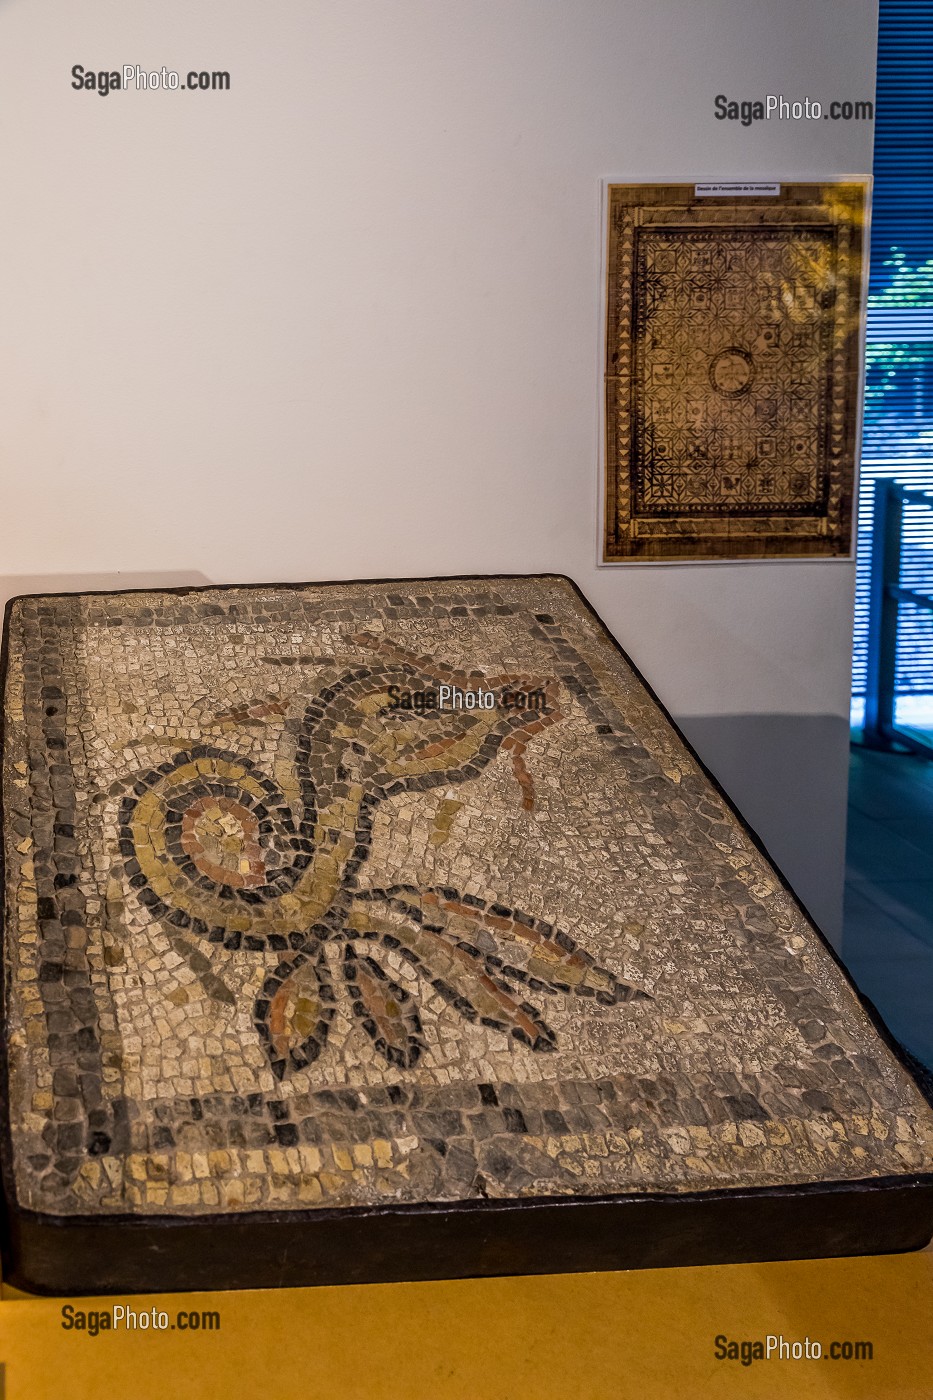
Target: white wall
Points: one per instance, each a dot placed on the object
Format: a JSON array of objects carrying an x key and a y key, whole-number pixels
[{"x": 342, "y": 320}]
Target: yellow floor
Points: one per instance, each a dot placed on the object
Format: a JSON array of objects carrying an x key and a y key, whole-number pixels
[{"x": 641, "y": 1335}]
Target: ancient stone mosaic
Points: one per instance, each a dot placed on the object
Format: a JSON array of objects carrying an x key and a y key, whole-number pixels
[
  {"x": 369, "y": 893},
  {"x": 732, "y": 371}
]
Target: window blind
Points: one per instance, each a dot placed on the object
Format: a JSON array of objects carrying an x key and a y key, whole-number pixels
[{"x": 898, "y": 423}]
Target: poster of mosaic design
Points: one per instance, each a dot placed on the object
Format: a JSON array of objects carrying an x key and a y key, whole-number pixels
[
  {"x": 732, "y": 370},
  {"x": 368, "y": 894}
]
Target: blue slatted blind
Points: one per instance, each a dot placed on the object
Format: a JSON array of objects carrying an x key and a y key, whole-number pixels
[{"x": 898, "y": 425}]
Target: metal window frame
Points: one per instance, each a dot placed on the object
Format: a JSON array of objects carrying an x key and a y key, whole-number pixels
[{"x": 881, "y": 730}]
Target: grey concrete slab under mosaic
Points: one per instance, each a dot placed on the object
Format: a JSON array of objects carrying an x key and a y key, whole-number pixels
[{"x": 367, "y": 895}]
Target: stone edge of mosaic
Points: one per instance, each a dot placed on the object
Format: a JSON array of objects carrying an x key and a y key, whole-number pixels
[{"x": 384, "y": 1153}]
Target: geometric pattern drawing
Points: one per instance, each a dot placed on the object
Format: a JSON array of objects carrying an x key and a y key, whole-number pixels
[{"x": 731, "y": 372}]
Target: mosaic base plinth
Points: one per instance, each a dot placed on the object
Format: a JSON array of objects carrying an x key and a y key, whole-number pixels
[{"x": 373, "y": 931}]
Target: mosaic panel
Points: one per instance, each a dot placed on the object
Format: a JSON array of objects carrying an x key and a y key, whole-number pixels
[
  {"x": 731, "y": 371},
  {"x": 368, "y": 893}
]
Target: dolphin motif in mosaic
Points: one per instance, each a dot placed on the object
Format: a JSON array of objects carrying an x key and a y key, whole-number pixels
[{"x": 220, "y": 849}]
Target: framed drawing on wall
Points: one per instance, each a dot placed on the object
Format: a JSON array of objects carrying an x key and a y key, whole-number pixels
[{"x": 733, "y": 320}]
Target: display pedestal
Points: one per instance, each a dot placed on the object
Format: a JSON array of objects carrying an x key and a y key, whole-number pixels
[{"x": 578, "y": 1337}]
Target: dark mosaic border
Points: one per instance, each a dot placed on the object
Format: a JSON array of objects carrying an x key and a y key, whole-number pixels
[{"x": 26, "y": 1235}]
